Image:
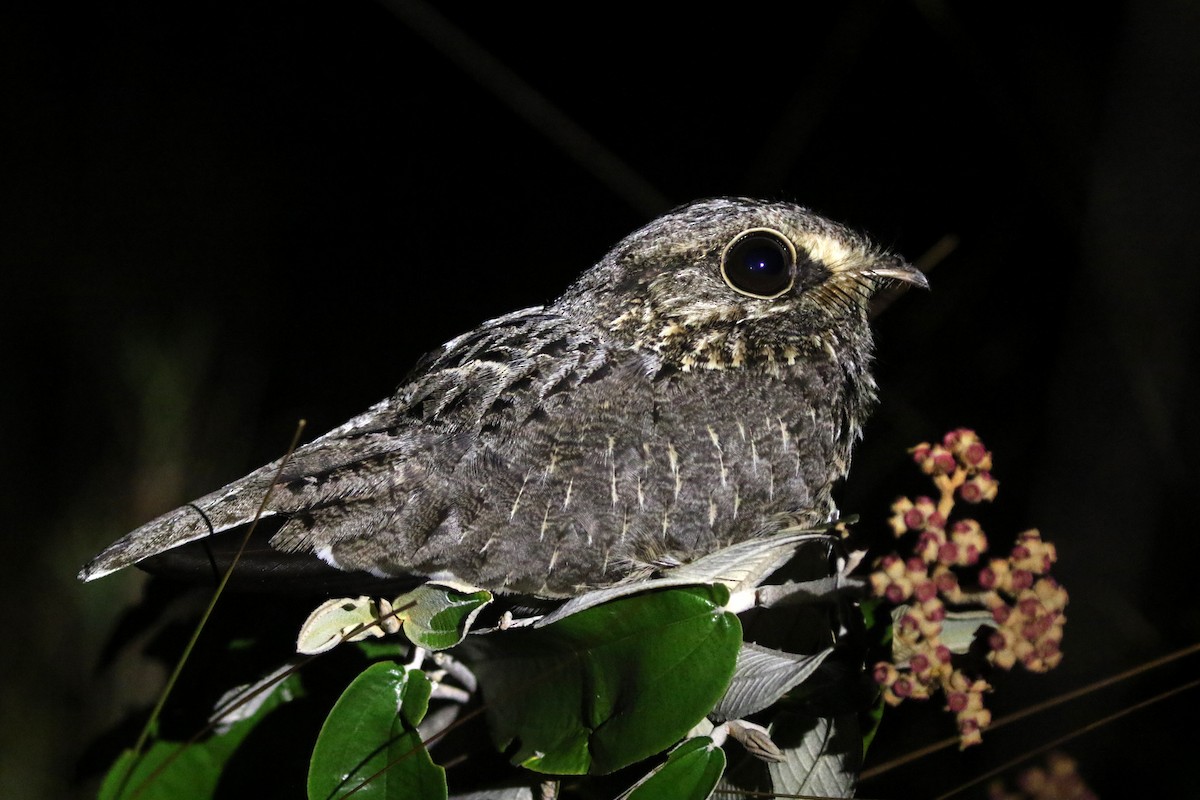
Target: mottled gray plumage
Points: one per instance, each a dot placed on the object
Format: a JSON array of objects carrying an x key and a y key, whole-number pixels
[{"x": 652, "y": 414}]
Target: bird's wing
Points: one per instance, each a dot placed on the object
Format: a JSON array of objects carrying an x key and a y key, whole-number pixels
[{"x": 385, "y": 465}]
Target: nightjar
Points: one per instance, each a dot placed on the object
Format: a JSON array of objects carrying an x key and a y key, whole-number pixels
[{"x": 701, "y": 385}]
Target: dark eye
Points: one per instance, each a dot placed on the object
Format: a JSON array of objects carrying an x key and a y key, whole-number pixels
[{"x": 759, "y": 262}]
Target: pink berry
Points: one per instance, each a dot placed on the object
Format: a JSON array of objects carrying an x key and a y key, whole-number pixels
[
  {"x": 946, "y": 582},
  {"x": 1034, "y": 630},
  {"x": 1029, "y": 606}
]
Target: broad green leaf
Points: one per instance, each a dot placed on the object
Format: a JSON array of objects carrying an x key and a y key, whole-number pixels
[
  {"x": 170, "y": 769},
  {"x": 370, "y": 738},
  {"x": 690, "y": 773},
  {"x": 611, "y": 685}
]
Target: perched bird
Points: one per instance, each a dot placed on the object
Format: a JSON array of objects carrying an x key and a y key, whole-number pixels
[{"x": 703, "y": 384}]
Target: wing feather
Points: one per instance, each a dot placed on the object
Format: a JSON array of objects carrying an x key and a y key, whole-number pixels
[{"x": 383, "y": 481}]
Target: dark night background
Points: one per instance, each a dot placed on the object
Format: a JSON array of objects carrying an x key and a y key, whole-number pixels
[{"x": 220, "y": 218}]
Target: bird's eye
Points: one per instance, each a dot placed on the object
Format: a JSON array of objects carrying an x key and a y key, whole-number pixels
[{"x": 759, "y": 262}]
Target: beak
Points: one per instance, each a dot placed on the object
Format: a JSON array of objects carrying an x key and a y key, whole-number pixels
[
  {"x": 898, "y": 271},
  {"x": 888, "y": 278}
]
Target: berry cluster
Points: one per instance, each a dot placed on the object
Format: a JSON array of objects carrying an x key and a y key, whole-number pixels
[
  {"x": 1058, "y": 780},
  {"x": 1014, "y": 595}
]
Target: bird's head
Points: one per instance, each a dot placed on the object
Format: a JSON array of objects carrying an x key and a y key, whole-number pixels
[{"x": 732, "y": 282}]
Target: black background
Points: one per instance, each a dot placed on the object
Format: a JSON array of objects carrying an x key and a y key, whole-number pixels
[{"x": 220, "y": 218}]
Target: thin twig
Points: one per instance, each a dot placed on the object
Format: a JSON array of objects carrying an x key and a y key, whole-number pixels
[
  {"x": 1033, "y": 709},
  {"x": 170, "y": 685},
  {"x": 1073, "y": 734},
  {"x": 530, "y": 105}
]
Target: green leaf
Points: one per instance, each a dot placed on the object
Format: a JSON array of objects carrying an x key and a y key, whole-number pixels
[
  {"x": 335, "y": 621},
  {"x": 439, "y": 617},
  {"x": 610, "y": 685},
  {"x": 387, "y": 650},
  {"x": 170, "y": 769},
  {"x": 869, "y": 722},
  {"x": 690, "y": 773},
  {"x": 193, "y": 773},
  {"x": 370, "y": 738}
]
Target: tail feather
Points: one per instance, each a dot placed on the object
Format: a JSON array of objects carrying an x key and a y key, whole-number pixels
[
  {"x": 325, "y": 473},
  {"x": 228, "y": 507}
]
